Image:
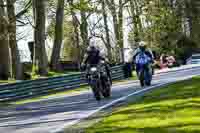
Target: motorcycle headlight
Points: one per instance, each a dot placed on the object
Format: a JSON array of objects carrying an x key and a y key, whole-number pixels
[{"x": 93, "y": 69}]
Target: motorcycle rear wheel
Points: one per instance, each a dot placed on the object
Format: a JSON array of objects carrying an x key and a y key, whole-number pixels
[
  {"x": 106, "y": 92},
  {"x": 96, "y": 94}
]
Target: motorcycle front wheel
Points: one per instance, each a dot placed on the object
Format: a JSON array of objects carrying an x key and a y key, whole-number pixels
[
  {"x": 141, "y": 78},
  {"x": 95, "y": 89},
  {"x": 148, "y": 76}
]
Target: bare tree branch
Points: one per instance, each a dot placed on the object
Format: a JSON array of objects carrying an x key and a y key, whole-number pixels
[
  {"x": 21, "y": 23},
  {"x": 94, "y": 26},
  {"x": 99, "y": 36},
  {"x": 28, "y": 5},
  {"x": 30, "y": 22}
]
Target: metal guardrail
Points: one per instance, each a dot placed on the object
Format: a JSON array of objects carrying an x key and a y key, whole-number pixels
[
  {"x": 194, "y": 59},
  {"x": 33, "y": 88},
  {"x": 188, "y": 61}
]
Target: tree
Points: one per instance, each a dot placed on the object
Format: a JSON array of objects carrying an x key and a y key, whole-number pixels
[
  {"x": 16, "y": 64},
  {"x": 120, "y": 30},
  {"x": 76, "y": 38},
  {"x": 4, "y": 47},
  {"x": 69, "y": 50},
  {"x": 58, "y": 35},
  {"x": 84, "y": 26},
  {"x": 40, "y": 56},
  {"x": 169, "y": 26},
  {"x": 117, "y": 17},
  {"x": 83, "y": 9},
  {"x": 112, "y": 7},
  {"x": 108, "y": 43},
  {"x": 135, "y": 15}
]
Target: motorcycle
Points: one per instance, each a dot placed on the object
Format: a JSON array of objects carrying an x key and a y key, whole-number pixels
[
  {"x": 99, "y": 81},
  {"x": 145, "y": 73}
]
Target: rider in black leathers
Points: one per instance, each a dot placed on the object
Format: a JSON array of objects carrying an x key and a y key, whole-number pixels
[{"x": 93, "y": 57}]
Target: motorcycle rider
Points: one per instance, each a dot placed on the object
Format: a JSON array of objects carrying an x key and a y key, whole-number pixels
[
  {"x": 142, "y": 49},
  {"x": 93, "y": 57}
]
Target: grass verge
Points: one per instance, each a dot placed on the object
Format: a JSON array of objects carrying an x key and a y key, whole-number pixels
[
  {"x": 54, "y": 95},
  {"x": 172, "y": 109},
  {"x": 60, "y": 94},
  {"x": 7, "y": 81}
]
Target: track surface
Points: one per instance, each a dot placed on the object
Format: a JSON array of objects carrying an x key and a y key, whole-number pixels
[{"x": 54, "y": 114}]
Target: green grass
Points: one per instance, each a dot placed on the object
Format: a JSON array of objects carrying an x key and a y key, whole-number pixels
[
  {"x": 7, "y": 81},
  {"x": 173, "y": 109},
  {"x": 74, "y": 91},
  {"x": 40, "y": 98},
  {"x": 34, "y": 76},
  {"x": 53, "y": 74},
  {"x": 134, "y": 76}
]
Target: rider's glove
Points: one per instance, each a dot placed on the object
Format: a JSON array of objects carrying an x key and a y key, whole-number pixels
[{"x": 83, "y": 67}]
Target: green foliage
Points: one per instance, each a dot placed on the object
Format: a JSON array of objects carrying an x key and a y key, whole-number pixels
[
  {"x": 164, "y": 29},
  {"x": 185, "y": 47},
  {"x": 51, "y": 28},
  {"x": 69, "y": 51},
  {"x": 34, "y": 73},
  {"x": 84, "y": 5}
]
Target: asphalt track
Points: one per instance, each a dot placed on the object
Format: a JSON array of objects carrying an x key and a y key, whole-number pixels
[{"x": 54, "y": 114}]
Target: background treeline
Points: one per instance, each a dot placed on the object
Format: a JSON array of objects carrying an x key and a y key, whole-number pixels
[{"x": 169, "y": 26}]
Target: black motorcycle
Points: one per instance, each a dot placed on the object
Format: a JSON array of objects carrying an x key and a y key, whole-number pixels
[{"x": 99, "y": 81}]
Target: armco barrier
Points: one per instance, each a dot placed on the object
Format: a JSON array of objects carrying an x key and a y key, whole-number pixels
[{"x": 33, "y": 88}]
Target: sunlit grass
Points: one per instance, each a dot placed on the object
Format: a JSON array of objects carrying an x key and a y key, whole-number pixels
[
  {"x": 173, "y": 109},
  {"x": 53, "y": 74},
  {"x": 54, "y": 95},
  {"x": 7, "y": 81},
  {"x": 134, "y": 77},
  {"x": 64, "y": 93}
]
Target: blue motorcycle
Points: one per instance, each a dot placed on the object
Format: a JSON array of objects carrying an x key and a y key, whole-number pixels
[
  {"x": 144, "y": 73},
  {"x": 144, "y": 69}
]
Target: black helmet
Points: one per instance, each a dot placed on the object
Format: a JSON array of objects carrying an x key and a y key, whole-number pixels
[{"x": 93, "y": 50}]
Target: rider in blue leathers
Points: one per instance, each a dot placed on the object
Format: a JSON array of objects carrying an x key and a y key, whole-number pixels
[{"x": 148, "y": 55}]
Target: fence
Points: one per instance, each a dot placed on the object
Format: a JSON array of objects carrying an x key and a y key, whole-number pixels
[
  {"x": 33, "y": 88},
  {"x": 194, "y": 59}
]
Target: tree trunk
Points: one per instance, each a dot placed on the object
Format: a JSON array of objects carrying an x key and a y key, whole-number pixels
[
  {"x": 138, "y": 13},
  {"x": 4, "y": 47},
  {"x": 76, "y": 39},
  {"x": 134, "y": 20},
  {"x": 114, "y": 17},
  {"x": 58, "y": 36},
  {"x": 111, "y": 4},
  {"x": 108, "y": 44},
  {"x": 16, "y": 64},
  {"x": 84, "y": 28},
  {"x": 121, "y": 33},
  {"x": 40, "y": 56},
  {"x": 84, "y": 31}
]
